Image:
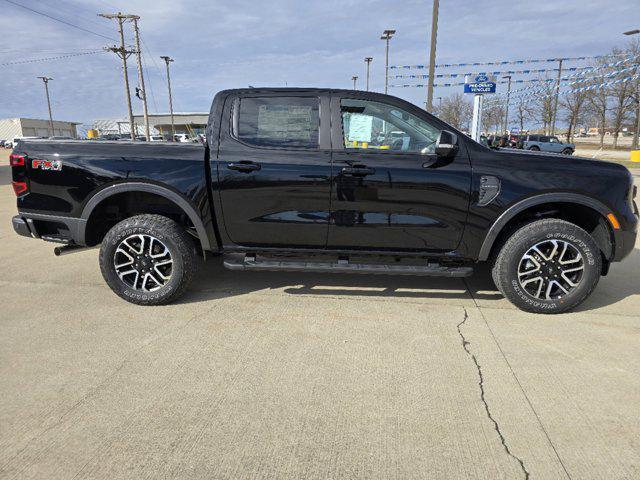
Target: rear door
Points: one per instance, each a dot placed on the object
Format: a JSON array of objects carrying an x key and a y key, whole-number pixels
[
  {"x": 390, "y": 190},
  {"x": 274, "y": 170}
]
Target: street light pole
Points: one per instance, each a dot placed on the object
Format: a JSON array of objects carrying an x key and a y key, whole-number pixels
[
  {"x": 634, "y": 143},
  {"x": 432, "y": 54},
  {"x": 506, "y": 113},
  {"x": 45, "y": 80},
  {"x": 168, "y": 60},
  {"x": 355, "y": 79},
  {"x": 555, "y": 101},
  {"x": 368, "y": 60},
  {"x": 386, "y": 35}
]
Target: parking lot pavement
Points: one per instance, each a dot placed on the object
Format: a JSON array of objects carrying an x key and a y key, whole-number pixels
[{"x": 270, "y": 375}]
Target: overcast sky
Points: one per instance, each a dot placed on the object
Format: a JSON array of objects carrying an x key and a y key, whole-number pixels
[{"x": 223, "y": 44}]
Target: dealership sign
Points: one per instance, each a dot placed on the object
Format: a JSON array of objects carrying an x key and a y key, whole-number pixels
[{"x": 479, "y": 84}]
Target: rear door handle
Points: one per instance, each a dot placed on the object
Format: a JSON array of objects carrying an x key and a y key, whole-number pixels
[
  {"x": 243, "y": 166},
  {"x": 358, "y": 171}
]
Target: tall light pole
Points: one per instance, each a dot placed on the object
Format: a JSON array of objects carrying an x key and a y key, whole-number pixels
[
  {"x": 368, "y": 60},
  {"x": 355, "y": 80},
  {"x": 45, "y": 80},
  {"x": 386, "y": 35},
  {"x": 432, "y": 54},
  {"x": 147, "y": 130},
  {"x": 123, "y": 53},
  {"x": 634, "y": 143},
  {"x": 555, "y": 100},
  {"x": 168, "y": 60},
  {"x": 506, "y": 110}
]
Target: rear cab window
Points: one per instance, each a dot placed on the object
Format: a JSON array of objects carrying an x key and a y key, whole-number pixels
[{"x": 278, "y": 122}]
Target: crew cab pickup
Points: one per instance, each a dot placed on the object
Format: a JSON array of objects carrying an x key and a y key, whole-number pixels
[{"x": 328, "y": 180}]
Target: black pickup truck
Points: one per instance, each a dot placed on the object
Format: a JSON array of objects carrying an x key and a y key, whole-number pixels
[{"x": 328, "y": 180}]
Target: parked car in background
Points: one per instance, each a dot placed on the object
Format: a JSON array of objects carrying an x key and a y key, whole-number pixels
[
  {"x": 547, "y": 143},
  {"x": 157, "y": 138},
  {"x": 182, "y": 137}
]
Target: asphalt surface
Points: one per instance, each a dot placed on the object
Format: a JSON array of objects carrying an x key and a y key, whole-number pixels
[{"x": 270, "y": 375}]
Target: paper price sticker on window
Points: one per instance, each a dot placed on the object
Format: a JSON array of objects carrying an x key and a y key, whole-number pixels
[{"x": 360, "y": 127}]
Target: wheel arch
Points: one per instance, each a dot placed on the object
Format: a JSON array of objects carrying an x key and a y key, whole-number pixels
[
  {"x": 603, "y": 237},
  {"x": 179, "y": 201}
]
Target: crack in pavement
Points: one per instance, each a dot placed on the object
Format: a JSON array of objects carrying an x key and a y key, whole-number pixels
[{"x": 465, "y": 345}]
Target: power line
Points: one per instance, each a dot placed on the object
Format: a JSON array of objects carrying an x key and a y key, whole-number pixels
[
  {"x": 59, "y": 57},
  {"x": 58, "y": 20}
]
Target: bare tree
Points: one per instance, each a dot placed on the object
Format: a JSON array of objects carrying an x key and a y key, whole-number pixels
[
  {"x": 492, "y": 117},
  {"x": 524, "y": 111},
  {"x": 545, "y": 103},
  {"x": 456, "y": 110},
  {"x": 598, "y": 99},
  {"x": 622, "y": 101},
  {"x": 574, "y": 105}
]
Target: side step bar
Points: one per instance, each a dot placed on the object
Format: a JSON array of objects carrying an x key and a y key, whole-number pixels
[{"x": 241, "y": 261}]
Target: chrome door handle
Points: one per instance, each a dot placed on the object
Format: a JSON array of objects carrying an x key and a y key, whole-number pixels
[
  {"x": 245, "y": 167},
  {"x": 358, "y": 171}
]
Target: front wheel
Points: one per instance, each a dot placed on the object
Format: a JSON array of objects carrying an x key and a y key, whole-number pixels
[
  {"x": 548, "y": 266},
  {"x": 567, "y": 151},
  {"x": 147, "y": 259}
]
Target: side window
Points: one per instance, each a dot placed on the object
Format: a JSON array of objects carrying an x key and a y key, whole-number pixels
[
  {"x": 279, "y": 121},
  {"x": 533, "y": 138},
  {"x": 554, "y": 140},
  {"x": 373, "y": 125},
  {"x": 544, "y": 139}
]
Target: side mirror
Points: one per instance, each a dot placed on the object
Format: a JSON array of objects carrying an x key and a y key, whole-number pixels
[{"x": 447, "y": 144}]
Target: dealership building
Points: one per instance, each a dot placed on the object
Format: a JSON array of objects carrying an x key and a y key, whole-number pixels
[
  {"x": 34, "y": 127},
  {"x": 191, "y": 123}
]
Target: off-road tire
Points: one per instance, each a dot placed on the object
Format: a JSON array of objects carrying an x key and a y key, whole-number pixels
[
  {"x": 534, "y": 149},
  {"x": 507, "y": 261},
  {"x": 181, "y": 248},
  {"x": 567, "y": 151}
]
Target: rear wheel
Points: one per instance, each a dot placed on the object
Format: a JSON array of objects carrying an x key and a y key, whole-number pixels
[
  {"x": 548, "y": 266},
  {"x": 147, "y": 259},
  {"x": 535, "y": 149}
]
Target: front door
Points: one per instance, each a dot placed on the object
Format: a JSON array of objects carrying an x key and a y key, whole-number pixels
[
  {"x": 391, "y": 192},
  {"x": 274, "y": 170}
]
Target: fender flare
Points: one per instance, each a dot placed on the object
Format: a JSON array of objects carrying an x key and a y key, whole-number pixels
[
  {"x": 518, "y": 207},
  {"x": 180, "y": 201}
]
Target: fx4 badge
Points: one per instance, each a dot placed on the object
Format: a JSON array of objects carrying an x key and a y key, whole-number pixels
[{"x": 55, "y": 165}]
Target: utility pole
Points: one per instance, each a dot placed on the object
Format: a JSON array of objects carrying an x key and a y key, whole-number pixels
[
  {"x": 168, "y": 60},
  {"x": 555, "y": 101},
  {"x": 147, "y": 131},
  {"x": 355, "y": 79},
  {"x": 45, "y": 80},
  {"x": 123, "y": 53},
  {"x": 386, "y": 35},
  {"x": 635, "y": 144},
  {"x": 368, "y": 60},
  {"x": 432, "y": 54},
  {"x": 506, "y": 113}
]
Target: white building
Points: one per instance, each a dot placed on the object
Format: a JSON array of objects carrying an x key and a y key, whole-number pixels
[
  {"x": 33, "y": 127},
  {"x": 191, "y": 123}
]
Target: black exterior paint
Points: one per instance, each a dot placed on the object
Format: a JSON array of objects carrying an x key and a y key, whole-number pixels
[{"x": 301, "y": 199}]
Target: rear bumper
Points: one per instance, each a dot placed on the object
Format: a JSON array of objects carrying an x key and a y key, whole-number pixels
[
  {"x": 51, "y": 228},
  {"x": 21, "y": 227}
]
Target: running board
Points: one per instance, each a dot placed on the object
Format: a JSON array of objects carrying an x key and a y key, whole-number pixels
[{"x": 240, "y": 261}]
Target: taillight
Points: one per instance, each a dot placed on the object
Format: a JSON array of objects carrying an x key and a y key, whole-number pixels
[
  {"x": 16, "y": 160},
  {"x": 19, "y": 187}
]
